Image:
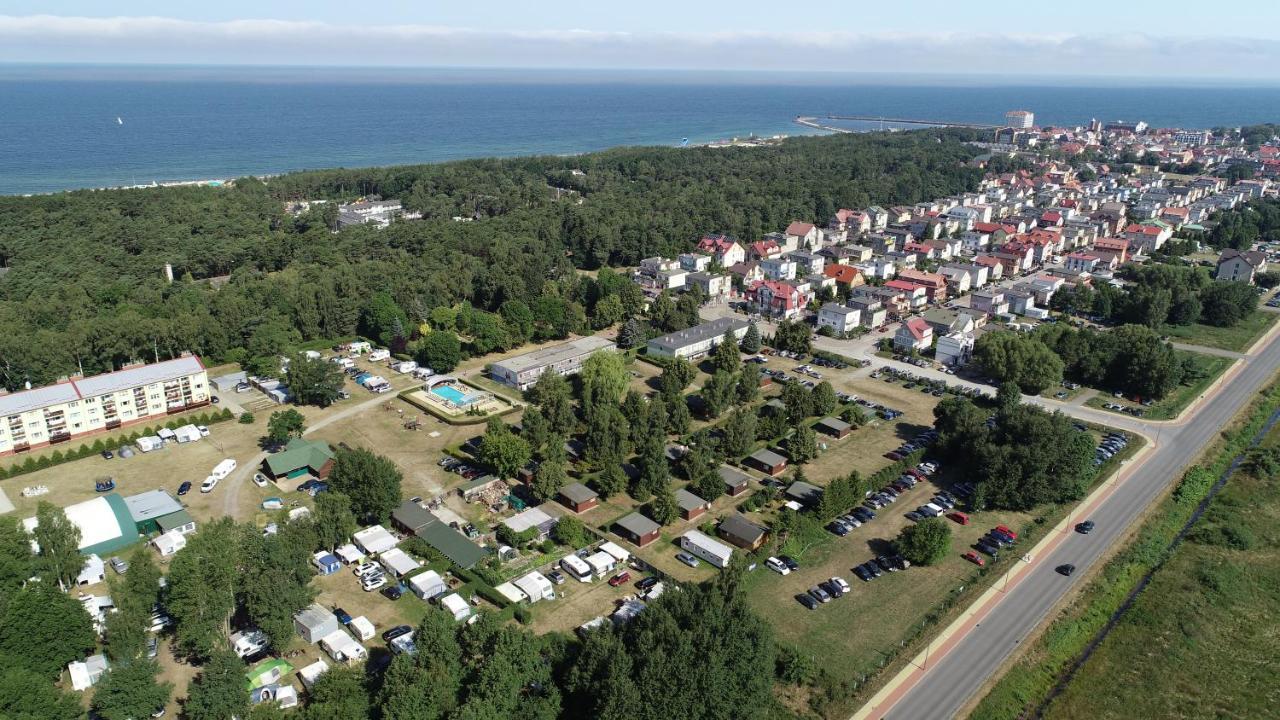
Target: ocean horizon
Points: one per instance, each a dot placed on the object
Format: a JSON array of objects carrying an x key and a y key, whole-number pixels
[{"x": 66, "y": 127}]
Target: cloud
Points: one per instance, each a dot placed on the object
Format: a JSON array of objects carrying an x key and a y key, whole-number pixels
[{"x": 49, "y": 38}]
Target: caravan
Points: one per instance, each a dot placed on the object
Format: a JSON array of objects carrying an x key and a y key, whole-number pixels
[
  {"x": 713, "y": 551},
  {"x": 223, "y": 469}
]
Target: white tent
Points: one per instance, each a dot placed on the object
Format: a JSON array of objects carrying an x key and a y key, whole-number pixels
[
  {"x": 511, "y": 592},
  {"x": 166, "y": 434},
  {"x": 147, "y": 443},
  {"x": 312, "y": 672},
  {"x": 427, "y": 585},
  {"x": 342, "y": 647},
  {"x": 286, "y": 696},
  {"x": 602, "y": 563},
  {"x": 94, "y": 571},
  {"x": 456, "y": 606},
  {"x": 536, "y": 586},
  {"x": 577, "y": 567},
  {"x": 362, "y": 627},
  {"x": 374, "y": 540},
  {"x": 349, "y": 554},
  {"x": 615, "y": 550},
  {"x": 169, "y": 543},
  {"x": 398, "y": 562},
  {"x": 187, "y": 433},
  {"x": 85, "y": 675}
]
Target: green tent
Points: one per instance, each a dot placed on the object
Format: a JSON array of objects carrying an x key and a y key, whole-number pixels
[{"x": 267, "y": 672}]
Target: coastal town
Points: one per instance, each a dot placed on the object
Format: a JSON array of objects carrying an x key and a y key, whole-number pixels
[{"x": 781, "y": 406}]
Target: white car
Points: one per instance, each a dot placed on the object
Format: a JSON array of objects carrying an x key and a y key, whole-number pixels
[
  {"x": 204, "y": 431},
  {"x": 373, "y": 582},
  {"x": 777, "y": 566},
  {"x": 260, "y": 480},
  {"x": 840, "y": 583},
  {"x": 366, "y": 568},
  {"x": 209, "y": 484}
]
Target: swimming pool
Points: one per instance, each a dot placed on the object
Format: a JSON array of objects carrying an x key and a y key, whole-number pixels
[{"x": 453, "y": 395}]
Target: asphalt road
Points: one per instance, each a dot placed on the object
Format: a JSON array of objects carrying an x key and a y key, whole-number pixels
[{"x": 947, "y": 683}]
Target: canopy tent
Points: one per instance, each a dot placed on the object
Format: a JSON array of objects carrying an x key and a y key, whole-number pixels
[{"x": 510, "y": 592}]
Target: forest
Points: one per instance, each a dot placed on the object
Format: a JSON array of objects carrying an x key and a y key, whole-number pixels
[{"x": 82, "y": 287}]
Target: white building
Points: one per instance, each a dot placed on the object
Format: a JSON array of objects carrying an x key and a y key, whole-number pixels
[
  {"x": 695, "y": 341},
  {"x": 838, "y": 317},
  {"x": 713, "y": 551},
  {"x": 522, "y": 371},
  {"x": 954, "y": 348},
  {"x": 1020, "y": 119}
]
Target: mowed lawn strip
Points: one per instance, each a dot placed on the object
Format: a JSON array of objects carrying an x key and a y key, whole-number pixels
[{"x": 1238, "y": 337}]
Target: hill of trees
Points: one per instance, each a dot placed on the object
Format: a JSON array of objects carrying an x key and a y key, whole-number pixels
[{"x": 83, "y": 287}]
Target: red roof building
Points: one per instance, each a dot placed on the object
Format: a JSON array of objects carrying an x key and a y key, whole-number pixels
[{"x": 844, "y": 274}]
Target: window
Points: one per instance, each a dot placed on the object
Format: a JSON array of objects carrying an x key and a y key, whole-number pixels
[{"x": 73, "y": 404}]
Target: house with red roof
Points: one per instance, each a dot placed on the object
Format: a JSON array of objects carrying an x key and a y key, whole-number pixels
[
  {"x": 807, "y": 235},
  {"x": 917, "y": 295},
  {"x": 934, "y": 282},
  {"x": 1176, "y": 216},
  {"x": 1084, "y": 261},
  {"x": 762, "y": 249},
  {"x": 723, "y": 249},
  {"x": 845, "y": 275},
  {"x": 995, "y": 268},
  {"x": 920, "y": 250},
  {"x": 914, "y": 334},
  {"x": 776, "y": 298},
  {"x": 1016, "y": 256},
  {"x": 1147, "y": 236},
  {"x": 1050, "y": 218},
  {"x": 1112, "y": 247}
]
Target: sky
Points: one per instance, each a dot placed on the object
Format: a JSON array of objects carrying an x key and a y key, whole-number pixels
[{"x": 1136, "y": 38}]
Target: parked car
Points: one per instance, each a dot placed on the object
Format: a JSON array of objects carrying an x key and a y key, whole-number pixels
[
  {"x": 1007, "y": 531},
  {"x": 1085, "y": 527},
  {"x": 107, "y": 454},
  {"x": 343, "y": 616},
  {"x": 644, "y": 583},
  {"x": 790, "y": 562},
  {"x": 958, "y": 517},
  {"x": 777, "y": 566},
  {"x": 914, "y": 516},
  {"x": 838, "y": 528},
  {"x": 203, "y": 430},
  {"x": 209, "y": 484},
  {"x": 120, "y": 565},
  {"x": 621, "y": 578},
  {"x": 396, "y": 632},
  {"x": 184, "y": 488},
  {"x": 807, "y": 600},
  {"x": 974, "y": 558},
  {"x": 688, "y": 559},
  {"x": 153, "y": 647},
  {"x": 369, "y": 583},
  {"x": 393, "y": 592},
  {"x": 260, "y": 480},
  {"x": 863, "y": 574},
  {"x": 105, "y": 485},
  {"x": 820, "y": 594},
  {"x": 365, "y": 568},
  {"x": 556, "y": 577}
]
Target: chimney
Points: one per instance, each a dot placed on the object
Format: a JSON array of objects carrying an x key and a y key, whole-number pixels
[{"x": 168, "y": 273}]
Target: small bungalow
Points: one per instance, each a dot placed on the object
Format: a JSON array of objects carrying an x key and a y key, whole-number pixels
[
  {"x": 578, "y": 497},
  {"x": 735, "y": 481},
  {"x": 169, "y": 543},
  {"x": 835, "y": 427},
  {"x": 768, "y": 462},
  {"x": 301, "y": 460},
  {"x": 619, "y": 554},
  {"x": 326, "y": 563},
  {"x": 398, "y": 562},
  {"x": 803, "y": 492},
  {"x": 374, "y": 539},
  {"x": 638, "y": 529},
  {"x": 691, "y": 506},
  {"x": 601, "y": 563},
  {"x": 534, "y": 517},
  {"x": 411, "y": 517},
  {"x": 739, "y": 531},
  {"x": 474, "y": 488},
  {"x": 535, "y": 586}
]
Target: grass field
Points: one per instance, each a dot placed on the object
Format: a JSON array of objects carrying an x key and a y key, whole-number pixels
[
  {"x": 1237, "y": 338},
  {"x": 1175, "y": 402},
  {"x": 1200, "y": 641}
]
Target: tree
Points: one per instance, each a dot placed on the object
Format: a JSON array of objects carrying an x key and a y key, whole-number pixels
[
  {"x": 383, "y": 319},
  {"x": 739, "y": 433},
  {"x": 130, "y": 691},
  {"x": 439, "y": 350},
  {"x": 59, "y": 561},
  {"x": 370, "y": 480},
  {"x": 202, "y": 587},
  {"x": 676, "y": 376},
  {"x": 570, "y": 532},
  {"x": 793, "y": 336},
  {"x": 798, "y": 401},
  {"x": 284, "y": 425},
  {"x": 607, "y": 436},
  {"x": 802, "y": 446},
  {"x": 611, "y": 481},
  {"x": 654, "y": 472},
  {"x": 630, "y": 335},
  {"x": 217, "y": 692},
  {"x": 536, "y": 430},
  {"x": 28, "y": 695},
  {"x": 548, "y": 479},
  {"x": 339, "y": 694},
  {"x": 726, "y": 357},
  {"x": 1227, "y": 303},
  {"x": 333, "y": 521},
  {"x": 275, "y": 579},
  {"x": 925, "y": 542},
  {"x": 824, "y": 398},
  {"x": 44, "y": 628},
  {"x": 604, "y": 379},
  {"x": 664, "y": 509},
  {"x": 750, "y": 343},
  {"x": 1019, "y": 358},
  {"x": 552, "y": 393},
  {"x": 425, "y": 686},
  {"x": 502, "y": 450},
  {"x": 17, "y": 564},
  {"x": 313, "y": 381}
]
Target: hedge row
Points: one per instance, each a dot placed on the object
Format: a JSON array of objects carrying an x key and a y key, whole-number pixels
[{"x": 57, "y": 457}]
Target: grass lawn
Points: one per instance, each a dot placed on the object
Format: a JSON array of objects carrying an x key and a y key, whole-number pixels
[
  {"x": 1237, "y": 338},
  {"x": 1175, "y": 402},
  {"x": 1200, "y": 640}
]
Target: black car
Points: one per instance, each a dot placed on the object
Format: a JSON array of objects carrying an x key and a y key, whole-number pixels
[
  {"x": 107, "y": 454},
  {"x": 832, "y": 589},
  {"x": 392, "y": 592},
  {"x": 987, "y": 548},
  {"x": 646, "y": 583},
  {"x": 914, "y": 516},
  {"x": 862, "y": 574},
  {"x": 1085, "y": 527},
  {"x": 396, "y": 632},
  {"x": 1066, "y": 569},
  {"x": 807, "y": 600},
  {"x": 790, "y": 562},
  {"x": 184, "y": 488},
  {"x": 873, "y": 568},
  {"x": 838, "y": 528},
  {"x": 886, "y": 564}
]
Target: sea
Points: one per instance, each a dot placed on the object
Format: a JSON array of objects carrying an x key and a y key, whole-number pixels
[{"x": 78, "y": 126}]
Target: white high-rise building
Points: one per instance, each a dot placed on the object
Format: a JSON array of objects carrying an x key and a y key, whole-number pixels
[{"x": 1022, "y": 119}]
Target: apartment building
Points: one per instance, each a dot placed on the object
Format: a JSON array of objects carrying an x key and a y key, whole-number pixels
[
  {"x": 522, "y": 371},
  {"x": 79, "y": 406}
]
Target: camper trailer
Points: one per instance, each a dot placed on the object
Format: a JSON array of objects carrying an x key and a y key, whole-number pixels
[{"x": 713, "y": 551}]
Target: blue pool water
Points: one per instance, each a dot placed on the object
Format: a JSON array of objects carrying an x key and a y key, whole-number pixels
[{"x": 453, "y": 395}]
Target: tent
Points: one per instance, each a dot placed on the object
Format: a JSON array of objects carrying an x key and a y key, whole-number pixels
[
  {"x": 342, "y": 647},
  {"x": 427, "y": 585},
  {"x": 86, "y": 674},
  {"x": 147, "y": 443},
  {"x": 326, "y": 563},
  {"x": 456, "y": 606},
  {"x": 374, "y": 540},
  {"x": 94, "y": 571},
  {"x": 169, "y": 543},
  {"x": 267, "y": 672},
  {"x": 616, "y": 550},
  {"x": 166, "y": 434},
  {"x": 349, "y": 554},
  {"x": 187, "y": 433},
  {"x": 511, "y": 592},
  {"x": 104, "y": 522},
  {"x": 362, "y": 627},
  {"x": 398, "y": 562},
  {"x": 602, "y": 563},
  {"x": 536, "y": 587},
  {"x": 312, "y": 672}
]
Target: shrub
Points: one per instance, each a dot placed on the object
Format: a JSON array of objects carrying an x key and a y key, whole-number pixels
[
  {"x": 43, "y": 462},
  {"x": 522, "y": 615},
  {"x": 56, "y": 458},
  {"x": 246, "y": 418}
]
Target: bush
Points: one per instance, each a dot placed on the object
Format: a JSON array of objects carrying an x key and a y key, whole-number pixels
[
  {"x": 246, "y": 418},
  {"x": 926, "y": 542},
  {"x": 522, "y": 615}
]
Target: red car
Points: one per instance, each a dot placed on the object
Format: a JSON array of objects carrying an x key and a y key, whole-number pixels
[
  {"x": 1007, "y": 531},
  {"x": 959, "y": 517},
  {"x": 973, "y": 557},
  {"x": 620, "y": 579}
]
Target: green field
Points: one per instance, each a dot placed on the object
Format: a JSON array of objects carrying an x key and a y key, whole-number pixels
[
  {"x": 1211, "y": 366},
  {"x": 1200, "y": 641},
  {"x": 1238, "y": 337}
]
